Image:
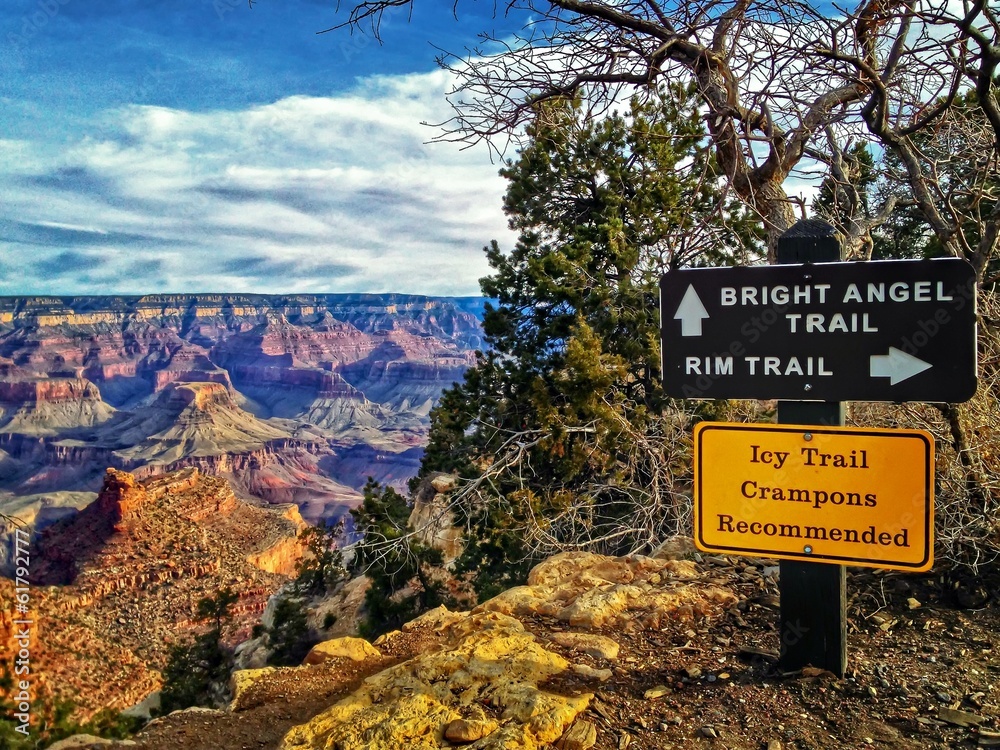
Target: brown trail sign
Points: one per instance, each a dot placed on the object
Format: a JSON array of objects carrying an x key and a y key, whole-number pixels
[
  {"x": 900, "y": 330},
  {"x": 818, "y": 331}
]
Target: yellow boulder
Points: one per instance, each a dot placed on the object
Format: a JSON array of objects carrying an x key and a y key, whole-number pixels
[
  {"x": 598, "y": 646},
  {"x": 242, "y": 680},
  {"x": 488, "y": 659},
  {"x": 595, "y": 591},
  {"x": 355, "y": 649}
]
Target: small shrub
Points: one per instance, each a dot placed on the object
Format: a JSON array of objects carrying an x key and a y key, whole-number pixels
[
  {"x": 288, "y": 638},
  {"x": 322, "y": 568},
  {"x": 195, "y": 670}
]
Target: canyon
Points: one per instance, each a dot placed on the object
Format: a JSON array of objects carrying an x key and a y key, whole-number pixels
[
  {"x": 292, "y": 399},
  {"x": 157, "y": 450}
]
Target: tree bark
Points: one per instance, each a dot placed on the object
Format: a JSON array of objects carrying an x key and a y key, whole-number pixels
[{"x": 960, "y": 441}]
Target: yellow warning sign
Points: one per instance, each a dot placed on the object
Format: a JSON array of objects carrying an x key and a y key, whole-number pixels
[{"x": 843, "y": 495}]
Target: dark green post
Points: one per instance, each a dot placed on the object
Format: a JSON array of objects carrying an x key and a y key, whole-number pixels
[{"x": 813, "y": 620}]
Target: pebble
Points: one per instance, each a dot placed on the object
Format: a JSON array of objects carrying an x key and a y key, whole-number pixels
[
  {"x": 656, "y": 692},
  {"x": 708, "y": 731},
  {"x": 693, "y": 671},
  {"x": 581, "y": 736},
  {"x": 463, "y": 731},
  {"x": 590, "y": 673},
  {"x": 989, "y": 739},
  {"x": 960, "y": 718}
]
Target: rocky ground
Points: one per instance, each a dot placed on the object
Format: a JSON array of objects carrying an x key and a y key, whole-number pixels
[{"x": 690, "y": 670}]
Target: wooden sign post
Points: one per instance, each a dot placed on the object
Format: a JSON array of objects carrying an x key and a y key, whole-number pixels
[{"x": 813, "y": 619}]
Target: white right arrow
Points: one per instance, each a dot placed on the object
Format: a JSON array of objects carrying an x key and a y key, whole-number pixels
[
  {"x": 897, "y": 365},
  {"x": 690, "y": 313}
]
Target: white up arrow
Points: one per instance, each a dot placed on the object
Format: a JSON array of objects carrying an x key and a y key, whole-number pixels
[
  {"x": 897, "y": 366},
  {"x": 690, "y": 313}
]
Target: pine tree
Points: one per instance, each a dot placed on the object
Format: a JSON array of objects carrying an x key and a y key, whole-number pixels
[
  {"x": 288, "y": 637},
  {"x": 197, "y": 671},
  {"x": 558, "y": 429}
]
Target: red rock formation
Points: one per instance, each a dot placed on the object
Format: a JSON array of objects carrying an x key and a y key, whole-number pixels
[
  {"x": 120, "y": 500},
  {"x": 128, "y": 571},
  {"x": 281, "y": 558},
  {"x": 111, "y": 370},
  {"x": 323, "y": 382},
  {"x": 189, "y": 365}
]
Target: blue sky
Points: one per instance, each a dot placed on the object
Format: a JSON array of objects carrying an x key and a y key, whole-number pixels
[{"x": 201, "y": 145}]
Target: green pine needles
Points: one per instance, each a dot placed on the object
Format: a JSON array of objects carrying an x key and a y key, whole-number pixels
[{"x": 561, "y": 432}]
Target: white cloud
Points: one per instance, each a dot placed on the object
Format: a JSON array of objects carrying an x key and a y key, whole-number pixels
[{"x": 304, "y": 194}]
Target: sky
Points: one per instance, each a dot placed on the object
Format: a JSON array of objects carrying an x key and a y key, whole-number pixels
[{"x": 152, "y": 146}]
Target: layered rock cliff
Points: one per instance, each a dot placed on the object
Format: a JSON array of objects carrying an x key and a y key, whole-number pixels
[
  {"x": 49, "y": 405},
  {"x": 134, "y": 345},
  {"x": 116, "y": 585}
]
